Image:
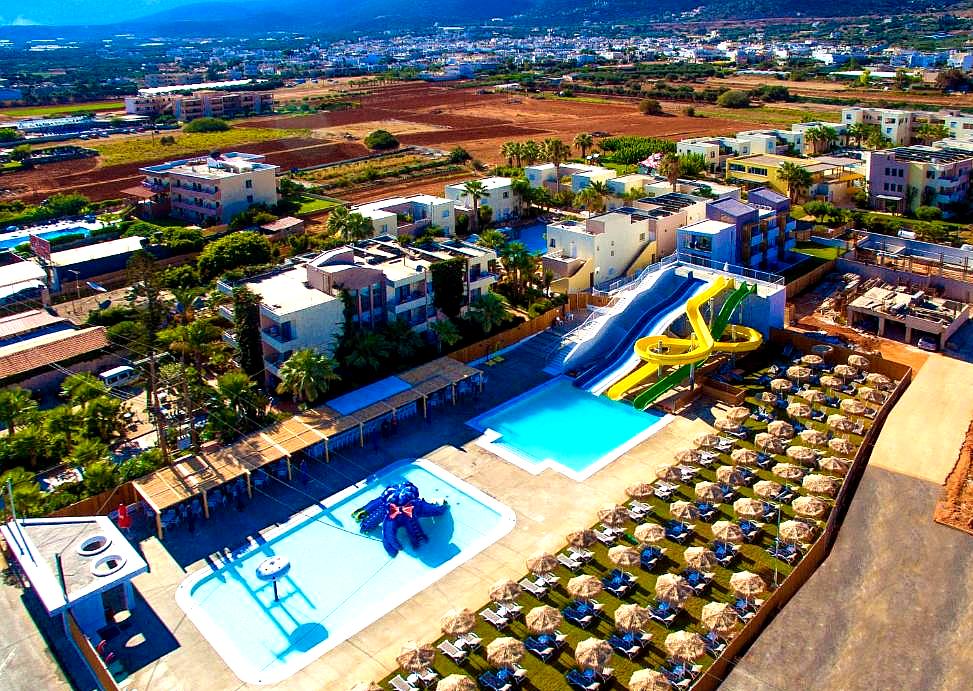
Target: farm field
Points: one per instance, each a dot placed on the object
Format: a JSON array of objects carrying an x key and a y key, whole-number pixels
[{"x": 48, "y": 111}]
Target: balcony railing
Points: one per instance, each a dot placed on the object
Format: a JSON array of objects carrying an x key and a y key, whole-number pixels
[
  {"x": 154, "y": 186},
  {"x": 204, "y": 192}
]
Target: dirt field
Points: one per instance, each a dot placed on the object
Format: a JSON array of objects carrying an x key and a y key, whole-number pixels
[{"x": 955, "y": 508}]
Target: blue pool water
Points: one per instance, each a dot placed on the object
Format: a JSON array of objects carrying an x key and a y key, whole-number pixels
[
  {"x": 14, "y": 238},
  {"x": 339, "y": 581},
  {"x": 533, "y": 236},
  {"x": 557, "y": 425}
]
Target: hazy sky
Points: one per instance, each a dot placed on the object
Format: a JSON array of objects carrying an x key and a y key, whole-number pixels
[{"x": 83, "y": 11}]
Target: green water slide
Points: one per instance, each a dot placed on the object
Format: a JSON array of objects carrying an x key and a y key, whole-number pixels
[{"x": 674, "y": 378}]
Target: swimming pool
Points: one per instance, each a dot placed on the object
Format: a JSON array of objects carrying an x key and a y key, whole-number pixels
[
  {"x": 533, "y": 236},
  {"x": 559, "y": 426},
  {"x": 339, "y": 581},
  {"x": 17, "y": 237}
]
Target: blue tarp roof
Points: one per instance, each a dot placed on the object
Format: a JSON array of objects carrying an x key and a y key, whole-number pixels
[{"x": 367, "y": 395}]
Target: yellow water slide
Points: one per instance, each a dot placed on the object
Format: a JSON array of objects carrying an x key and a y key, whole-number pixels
[{"x": 658, "y": 351}]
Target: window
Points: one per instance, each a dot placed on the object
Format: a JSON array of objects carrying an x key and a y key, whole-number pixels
[
  {"x": 250, "y": 199},
  {"x": 641, "y": 237},
  {"x": 553, "y": 243},
  {"x": 899, "y": 188},
  {"x": 445, "y": 213},
  {"x": 506, "y": 195},
  {"x": 248, "y": 184}
]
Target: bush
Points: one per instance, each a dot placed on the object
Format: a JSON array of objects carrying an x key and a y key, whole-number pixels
[
  {"x": 929, "y": 213},
  {"x": 380, "y": 140},
  {"x": 632, "y": 149},
  {"x": 459, "y": 155},
  {"x": 185, "y": 276},
  {"x": 733, "y": 99},
  {"x": 167, "y": 140},
  {"x": 256, "y": 215},
  {"x": 540, "y": 307},
  {"x": 182, "y": 240},
  {"x": 690, "y": 112},
  {"x": 238, "y": 249},
  {"x": 142, "y": 464},
  {"x": 650, "y": 106},
  {"x": 9, "y": 134},
  {"x": 112, "y": 315},
  {"x": 207, "y": 125}
]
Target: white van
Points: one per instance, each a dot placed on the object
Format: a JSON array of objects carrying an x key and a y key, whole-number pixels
[{"x": 119, "y": 376}]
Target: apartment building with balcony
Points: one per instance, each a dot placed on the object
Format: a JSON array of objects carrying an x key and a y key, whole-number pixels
[
  {"x": 834, "y": 179},
  {"x": 912, "y": 176},
  {"x": 209, "y": 189},
  {"x": 303, "y": 305},
  {"x": 581, "y": 175},
  {"x": 500, "y": 197},
  {"x": 211, "y": 104},
  {"x": 409, "y": 215}
]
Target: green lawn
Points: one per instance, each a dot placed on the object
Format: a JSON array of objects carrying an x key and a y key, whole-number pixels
[
  {"x": 310, "y": 205},
  {"x": 814, "y": 249},
  {"x": 770, "y": 115},
  {"x": 753, "y": 558},
  {"x": 148, "y": 147},
  {"x": 44, "y": 111}
]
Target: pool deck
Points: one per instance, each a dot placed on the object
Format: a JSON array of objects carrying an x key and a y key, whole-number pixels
[{"x": 547, "y": 506}]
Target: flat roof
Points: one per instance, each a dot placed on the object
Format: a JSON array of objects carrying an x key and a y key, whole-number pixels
[
  {"x": 707, "y": 227},
  {"x": 87, "y": 253},
  {"x": 491, "y": 183},
  {"x": 286, "y": 292},
  {"x": 36, "y": 544},
  {"x": 368, "y": 395},
  {"x": 25, "y": 322},
  {"x": 21, "y": 271},
  {"x": 179, "y": 88},
  {"x": 928, "y": 154}
]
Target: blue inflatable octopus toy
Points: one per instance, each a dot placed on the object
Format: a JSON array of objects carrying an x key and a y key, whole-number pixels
[{"x": 399, "y": 506}]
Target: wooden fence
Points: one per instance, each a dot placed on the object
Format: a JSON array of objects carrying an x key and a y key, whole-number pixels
[
  {"x": 507, "y": 338},
  {"x": 802, "y": 283},
  {"x": 100, "y": 504}
]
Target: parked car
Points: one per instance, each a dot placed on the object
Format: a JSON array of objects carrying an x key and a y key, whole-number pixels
[{"x": 928, "y": 344}]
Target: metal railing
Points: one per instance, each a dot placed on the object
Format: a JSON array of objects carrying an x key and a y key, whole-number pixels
[{"x": 727, "y": 268}]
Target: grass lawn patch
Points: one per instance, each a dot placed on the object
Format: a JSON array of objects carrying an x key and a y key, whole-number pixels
[
  {"x": 815, "y": 249},
  {"x": 310, "y": 205},
  {"x": 765, "y": 114},
  {"x": 44, "y": 111},
  {"x": 149, "y": 147}
]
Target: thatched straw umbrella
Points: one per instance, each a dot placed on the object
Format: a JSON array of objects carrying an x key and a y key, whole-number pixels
[
  {"x": 456, "y": 682},
  {"x": 879, "y": 380},
  {"x": 768, "y": 442},
  {"x": 853, "y": 406},
  {"x": 795, "y": 531},
  {"x": 614, "y": 516},
  {"x": 745, "y": 507},
  {"x": 738, "y": 413},
  {"x": 788, "y": 471},
  {"x": 543, "y": 619},
  {"x": 593, "y": 653},
  {"x": 830, "y": 382},
  {"x": 505, "y": 591},
  {"x": 640, "y": 490},
  {"x": 812, "y": 360},
  {"x": 649, "y": 533},
  {"x": 584, "y": 587},
  {"x": 631, "y": 617},
  {"x": 542, "y": 564},
  {"x": 582, "y": 539},
  {"x": 668, "y": 472},
  {"x": 867, "y": 393},
  {"x": 456, "y": 622},
  {"x": 706, "y": 441},
  {"x": 505, "y": 652},
  {"x": 858, "y": 361},
  {"x": 781, "y": 429},
  {"x": 845, "y": 371},
  {"x": 719, "y": 617},
  {"x": 623, "y": 555},
  {"x": 821, "y": 484},
  {"x": 781, "y": 385},
  {"x": 672, "y": 588},
  {"x": 725, "y": 424},
  {"x": 727, "y": 532},
  {"x": 809, "y": 507},
  {"x": 814, "y": 437},
  {"x": 798, "y": 372},
  {"x": 799, "y": 409},
  {"x": 685, "y": 645},
  {"x": 813, "y": 396},
  {"x": 415, "y": 657},
  {"x": 842, "y": 446},
  {"x": 841, "y": 424},
  {"x": 700, "y": 558},
  {"x": 747, "y": 584},
  {"x": 767, "y": 397},
  {"x": 801, "y": 454},
  {"x": 766, "y": 489},
  {"x": 729, "y": 475},
  {"x": 744, "y": 457},
  {"x": 830, "y": 464},
  {"x": 709, "y": 491},
  {"x": 648, "y": 680},
  {"x": 684, "y": 511},
  {"x": 684, "y": 456}
]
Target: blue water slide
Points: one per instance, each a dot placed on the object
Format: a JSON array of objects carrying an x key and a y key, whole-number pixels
[{"x": 643, "y": 326}]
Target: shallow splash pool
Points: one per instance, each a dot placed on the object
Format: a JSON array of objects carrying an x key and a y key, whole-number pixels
[
  {"x": 339, "y": 581},
  {"x": 557, "y": 425}
]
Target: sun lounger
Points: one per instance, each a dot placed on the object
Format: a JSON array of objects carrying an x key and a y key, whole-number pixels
[
  {"x": 469, "y": 641},
  {"x": 579, "y": 680},
  {"x": 400, "y": 684},
  {"x": 664, "y": 491},
  {"x": 534, "y": 589},
  {"x": 490, "y": 680},
  {"x": 707, "y": 512},
  {"x": 582, "y": 555},
  {"x": 542, "y": 649},
  {"x": 714, "y": 644},
  {"x": 455, "y": 654},
  {"x": 577, "y": 618},
  {"x": 605, "y": 538},
  {"x": 725, "y": 553},
  {"x": 509, "y": 611},
  {"x": 663, "y": 613},
  {"x": 649, "y": 558},
  {"x": 492, "y": 617},
  {"x": 569, "y": 563}
]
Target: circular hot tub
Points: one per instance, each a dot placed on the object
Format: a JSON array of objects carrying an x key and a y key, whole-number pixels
[
  {"x": 108, "y": 565},
  {"x": 94, "y": 545},
  {"x": 822, "y": 349},
  {"x": 273, "y": 568}
]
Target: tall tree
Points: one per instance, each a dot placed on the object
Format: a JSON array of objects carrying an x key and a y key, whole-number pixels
[
  {"x": 307, "y": 375},
  {"x": 671, "y": 168},
  {"x": 530, "y": 151},
  {"x": 474, "y": 191},
  {"x": 449, "y": 285},
  {"x": 797, "y": 178},
  {"x": 489, "y": 311},
  {"x": 928, "y": 132},
  {"x": 583, "y": 142},
  {"x": 337, "y": 220},
  {"x": 446, "y": 333},
  {"x": 557, "y": 152},
  {"x": 357, "y": 227},
  {"x": 246, "y": 322},
  {"x": 512, "y": 152},
  {"x": 15, "y": 404}
]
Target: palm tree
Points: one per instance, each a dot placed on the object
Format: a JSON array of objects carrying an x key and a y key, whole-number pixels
[
  {"x": 671, "y": 168},
  {"x": 797, "y": 179},
  {"x": 492, "y": 238},
  {"x": 524, "y": 192},
  {"x": 307, "y": 375},
  {"x": 403, "y": 342},
  {"x": 589, "y": 199},
  {"x": 62, "y": 421},
  {"x": 88, "y": 451},
  {"x": 474, "y": 191},
  {"x": 82, "y": 387},
  {"x": 446, "y": 333},
  {"x": 357, "y": 227},
  {"x": 857, "y": 131},
  {"x": 530, "y": 151},
  {"x": 518, "y": 263},
  {"x": 583, "y": 142},
  {"x": 15, "y": 404},
  {"x": 185, "y": 297},
  {"x": 337, "y": 220},
  {"x": 195, "y": 342},
  {"x": 99, "y": 477},
  {"x": 239, "y": 394},
  {"x": 877, "y": 140},
  {"x": 489, "y": 311},
  {"x": 512, "y": 151},
  {"x": 369, "y": 351},
  {"x": 556, "y": 152},
  {"x": 103, "y": 418},
  {"x": 929, "y": 132}
]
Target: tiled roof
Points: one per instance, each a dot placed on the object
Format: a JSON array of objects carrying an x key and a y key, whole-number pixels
[{"x": 49, "y": 349}]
